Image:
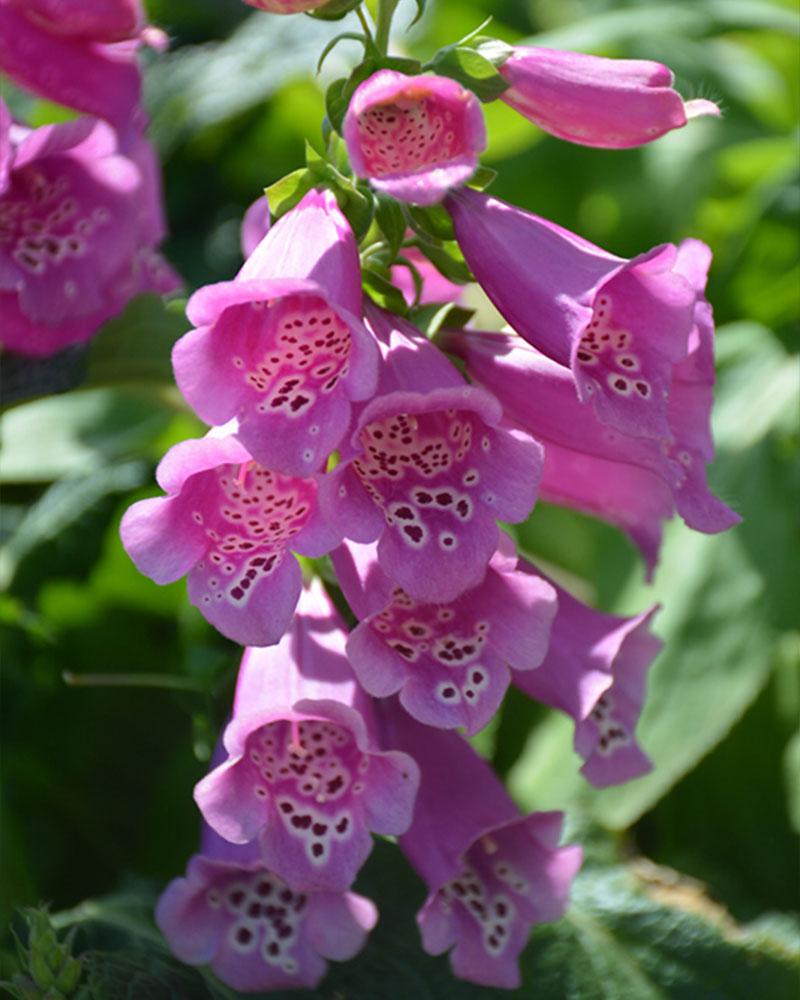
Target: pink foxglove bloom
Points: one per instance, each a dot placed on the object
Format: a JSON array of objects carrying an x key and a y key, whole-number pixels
[
  {"x": 231, "y": 525},
  {"x": 282, "y": 347},
  {"x": 255, "y": 225},
  {"x": 232, "y": 913},
  {"x": 490, "y": 872},
  {"x": 430, "y": 470},
  {"x": 635, "y": 483},
  {"x": 287, "y": 6},
  {"x": 612, "y": 103},
  {"x": 414, "y": 137},
  {"x": 68, "y": 68},
  {"x": 304, "y": 774},
  {"x": 79, "y": 222},
  {"x": 595, "y": 671},
  {"x": 449, "y": 661},
  {"x": 94, "y": 20},
  {"x": 619, "y": 325}
]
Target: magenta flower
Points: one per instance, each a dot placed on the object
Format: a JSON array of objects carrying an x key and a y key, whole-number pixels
[
  {"x": 613, "y": 103},
  {"x": 287, "y": 6},
  {"x": 620, "y": 325},
  {"x": 304, "y": 774},
  {"x": 490, "y": 872},
  {"x": 67, "y": 67},
  {"x": 414, "y": 137},
  {"x": 282, "y": 347},
  {"x": 635, "y": 483},
  {"x": 79, "y": 222},
  {"x": 93, "y": 20},
  {"x": 231, "y": 525},
  {"x": 595, "y": 671},
  {"x": 428, "y": 470},
  {"x": 450, "y": 662},
  {"x": 232, "y": 913},
  {"x": 255, "y": 225}
]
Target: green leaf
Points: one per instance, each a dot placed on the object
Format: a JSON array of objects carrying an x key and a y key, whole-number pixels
[
  {"x": 472, "y": 70},
  {"x": 448, "y": 260},
  {"x": 334, "y": 10},
  {"x": 420, "y": 11},
  {"x": 392, "y": 222},
  {"x": 482, "y": 178},
  {"x": 383, "y": 292},
  {"x": 358, "y": 207},
  {"x": 284, "y": 194},
  {"x": 433, "y": 222}
]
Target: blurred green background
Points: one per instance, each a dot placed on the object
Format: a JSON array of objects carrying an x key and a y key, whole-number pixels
[{"x": 692, "y": 879}]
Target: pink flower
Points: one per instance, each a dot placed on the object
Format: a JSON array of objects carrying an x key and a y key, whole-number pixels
[
  {"x": 429, "y": 470},
  {"x": 595, "y": 671},
  {"x": 414, "y": 137},
  {"x": 78, "y": 225},
  {"x": 70, "y": 67},
  {"x": 287, "y": 6},
  {"x": 232, "y": 913},
  {"x": 633, "y": 482},
  {"x": 255, "y": 225},
  {"x": 282, "y": 347},
  {"x": 490, "y": 872},
  {"x": 621, "y": 326},
  {"x": 304, "y": 774},
  {"x": 231, "y": 525},
  {"x": 449, "y": 661},
  {"x": 93, "y": 20},
  {"x": 613, "y": 103}
]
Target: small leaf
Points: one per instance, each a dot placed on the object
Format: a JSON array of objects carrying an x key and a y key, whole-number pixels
[
  {"x": 284, "y": 194},
  {"x": 433, "y": 222},
  {"x": 357, "y": 207},
  {"x": 383, "y": 292},
  {"x": 420, "y": 11},
  {"x": 482, "y": 178},
  {"x": 392, "y": 222},
  {"x": 472, "y": 70},
  {"x": 352, "y": 36},
  {"x": 448, "y": 260}
]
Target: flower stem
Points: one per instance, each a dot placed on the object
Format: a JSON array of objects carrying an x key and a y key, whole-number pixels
[
  {"x": 166, "y": 681},
  {"x": 383, "y": 24},
  {"x": 365, "y": 25}
]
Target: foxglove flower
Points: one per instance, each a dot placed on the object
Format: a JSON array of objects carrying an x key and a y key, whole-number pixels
[
  {"x": 620, "y": 325},
  {"x": 635, "y": 483},
  {"x": 414, "y": 137},
  {"x": 490, "y": 872},
  {"x": 94, "y": 20},
  {"x": 255, "y": 225},
  {"x": 232, "y": 913},
  {"x": 287, "y": 6},
  {"x": 282, "y": 347},
  {"x": 79, "y": 222},
  {"x": 232, "y": 526},
  {"x": 595, "y": 671},
  {"x": 429, "y": 470},
  {"x": 612, "y": 103},
  {"x": 449, "y": 661},
  {"x": 304, "y": 774},
  {"x": 68, "y": 67}
]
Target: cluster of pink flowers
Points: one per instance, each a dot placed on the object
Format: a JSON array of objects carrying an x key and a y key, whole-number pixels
[
  {"x": 81, "y": 212},
  {"x": 338, "y": 428}
]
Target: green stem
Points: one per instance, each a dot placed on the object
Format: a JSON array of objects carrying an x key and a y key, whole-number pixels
[
  {"x": 365, "y": 25},
  {"x": 167, "y": 681},
  {"x": 383, "y": 24}
]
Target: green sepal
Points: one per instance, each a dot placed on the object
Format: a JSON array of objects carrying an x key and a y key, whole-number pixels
[
  {"x": 494, "y": 50},
  {"x": 383, "y": 292},
  {"x": 472, "y": 70},
  {"x": 392, "y": 223},
  {"x": 482, "y": 178},
  {"x": 432, "y": 222},
  {"x": 334, "y": 10},
  {"x": 284, "y": 194}
]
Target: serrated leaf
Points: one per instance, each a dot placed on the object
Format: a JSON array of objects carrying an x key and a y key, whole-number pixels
[
  {"x": 472, "y": 70},
  {"x": 284, "y": 194}
]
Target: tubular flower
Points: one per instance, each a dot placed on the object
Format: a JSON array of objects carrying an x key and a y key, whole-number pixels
[
  {"x": 255, "y": 225},
  {"x": 304, "y": 774},
  {"x": 92, "y": 20},
  {"x": 490, "y": 872},
  {"x": 635, "y": 483},
  {"x": 414, "y": 137},
  {"x": 78, "y": 225},
  {"x": 612, "y": 103},
  {"x": 232, "y": 913},
  {"x": 620, "y": 326},
  {"x": 231, "y": 525},
  {"x": 287, "y": 6},
  {"x": 449, "y": 661},
  {"x": 595, "y": 671},
  {"x": 282, "y": 347},
  {"x": 430, "y": 470},
  {"x": 63, "y": 62}
]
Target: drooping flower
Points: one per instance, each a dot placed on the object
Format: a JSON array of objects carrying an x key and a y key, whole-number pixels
[
  {"x": 612, "y": 103},
  {"x": 429, "y": 470},
  {"x": 414, "y": 137},
  {"x": 94, "y": 20},
  {"x": 304, "y": 774},
  {"x": 620, "y": 325},
  {"x": 232, "y": 913},
  {"x": 449, "y": 661},
  {"x": 490, "y": 872},
  {"x": 232, "y": 526},
  {"x": 287, "y": 6},
  {"x": 68, "y": 67},
  {"x": 282, "y": 347},
  {"x": 595, "y": 671},
  {"x": 79, "y": 223},
  {"x": 633, "y": 482},
  {"x": 255, "y": 225}
]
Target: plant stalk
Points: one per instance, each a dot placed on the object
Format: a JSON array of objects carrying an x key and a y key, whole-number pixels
[{"x": 383, "y": 24}]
